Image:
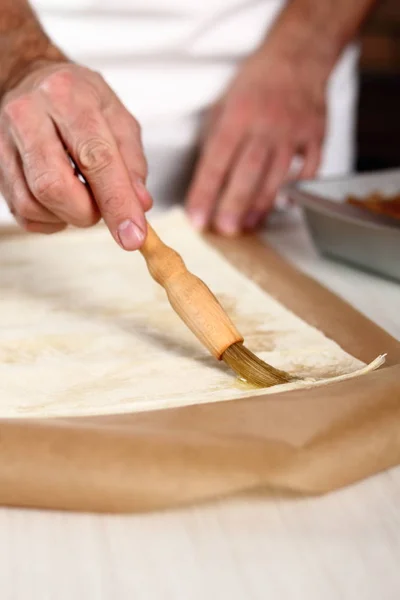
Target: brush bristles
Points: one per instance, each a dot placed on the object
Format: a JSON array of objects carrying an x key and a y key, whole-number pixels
[{"x": 252, "y": 369}]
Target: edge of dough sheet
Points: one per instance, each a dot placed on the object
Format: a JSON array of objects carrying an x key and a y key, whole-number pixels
[{"x": 161, "y": 222}]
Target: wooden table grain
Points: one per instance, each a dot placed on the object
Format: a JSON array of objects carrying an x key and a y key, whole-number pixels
[{"x": 343, "y": 546}]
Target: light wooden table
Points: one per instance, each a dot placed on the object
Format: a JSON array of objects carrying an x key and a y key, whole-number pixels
[{"x": 344, "y": 546}]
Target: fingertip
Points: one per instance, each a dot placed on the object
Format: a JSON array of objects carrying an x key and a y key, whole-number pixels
[
  {"x": 227, "y": 225},
  {"x": 198, "y": 219},
  {"x": 130, "y": 235}
]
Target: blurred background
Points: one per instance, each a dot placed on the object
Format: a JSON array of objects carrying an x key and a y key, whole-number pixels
[{"x": 379, "y": 122}]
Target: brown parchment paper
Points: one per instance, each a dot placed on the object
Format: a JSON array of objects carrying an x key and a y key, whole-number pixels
[{"x": 294, "y": 441}]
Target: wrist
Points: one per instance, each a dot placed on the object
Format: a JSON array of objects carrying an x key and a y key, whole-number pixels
[
  {"x": 305, "y": 43},
  {"x": 26, "y": 50}
]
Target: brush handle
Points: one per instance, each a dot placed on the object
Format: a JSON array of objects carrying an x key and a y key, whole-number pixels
[{"x": 189, "y": 296}]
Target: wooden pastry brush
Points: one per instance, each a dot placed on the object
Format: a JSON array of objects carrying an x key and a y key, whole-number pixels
[{"x": 200, "y": 310}]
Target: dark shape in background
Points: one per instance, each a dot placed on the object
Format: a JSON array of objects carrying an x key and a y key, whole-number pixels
[{"x": 378, "y": 134}]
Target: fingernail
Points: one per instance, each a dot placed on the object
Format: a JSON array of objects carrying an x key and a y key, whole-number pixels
[
  {"x": 130, "y": 235},
  {"x": 228, "y": 225},
  {"x": 198, "y": 219},
  {"x": 252, "y": 219}
]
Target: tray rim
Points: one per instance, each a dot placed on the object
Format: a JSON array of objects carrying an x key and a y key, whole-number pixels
[{"x": 338, "y": 210}]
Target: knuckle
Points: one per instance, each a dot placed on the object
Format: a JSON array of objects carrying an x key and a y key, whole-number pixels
[
  {"x": 59, "y": 84},
  {"x": 47, "y": 186},
  {"x": 97, "y": 77},
  {"x": 113, "y": 204},
  {"x": 16, "y": 108},
  {"x": 95, "y": 155},
  {"x": 86, "y": 120},
  {"x": 97, "y": 83}
]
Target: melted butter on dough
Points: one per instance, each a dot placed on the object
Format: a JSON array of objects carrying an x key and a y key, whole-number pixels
[{"x": 84, "y": 330}]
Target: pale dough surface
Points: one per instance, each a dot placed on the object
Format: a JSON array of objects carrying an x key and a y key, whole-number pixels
[{"x": 84, "y": 330}]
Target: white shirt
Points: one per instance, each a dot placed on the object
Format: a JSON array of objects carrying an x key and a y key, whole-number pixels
[
  {"x": 163, "y": 57},
  {"x": 168, "y": 60}
]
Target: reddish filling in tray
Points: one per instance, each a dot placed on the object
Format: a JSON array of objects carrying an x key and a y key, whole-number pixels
[{"x": 378, "y": 204}]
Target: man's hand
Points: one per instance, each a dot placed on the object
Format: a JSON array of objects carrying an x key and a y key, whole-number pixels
[
  {"x": 61, "y": 107},
  {"x": 271, "y": 113}
]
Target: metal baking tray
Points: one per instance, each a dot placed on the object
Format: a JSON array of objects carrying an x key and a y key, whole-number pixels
[{"x": 345, "y": 232}]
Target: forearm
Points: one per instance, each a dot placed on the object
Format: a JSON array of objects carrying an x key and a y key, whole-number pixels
[
  {"x": 317, "y": 30},
  {"x": 22, "y": 42}
]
